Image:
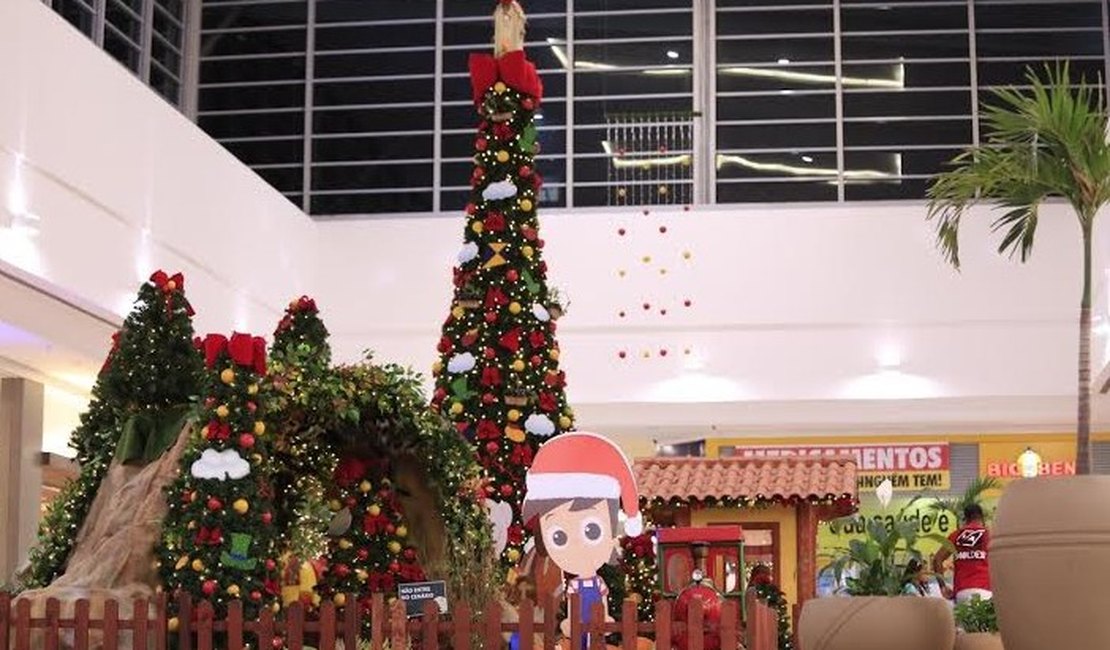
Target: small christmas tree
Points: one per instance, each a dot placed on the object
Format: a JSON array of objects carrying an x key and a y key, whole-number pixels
[
  {"x": 139, "y": 402},
  {"x": 218, "y": 539},
  {"x": 498, "y": 376}
]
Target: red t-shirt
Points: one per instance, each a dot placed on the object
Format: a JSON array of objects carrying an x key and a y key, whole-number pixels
[{"x": 972, "y": 544}]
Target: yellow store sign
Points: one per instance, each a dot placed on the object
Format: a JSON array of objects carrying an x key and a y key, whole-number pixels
[{"x": 1000, "y": 459}]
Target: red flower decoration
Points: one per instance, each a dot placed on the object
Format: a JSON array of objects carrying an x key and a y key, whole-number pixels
[
  {"x": 495, "y": 297},
  {"x": 547, "y": 402},
  {"x": 208, "y": 536},
  {"x": 218, "y": 430},
  {"x": 374, "y": 525},
  {"x": 511, "y": 340},
  {"x": 491, "y": 376},
  {"x": 495, "y": 222},
  {"x": 349, "y": 471},
  {"x": 445, "y": 346},
  {"x": 488, "y": 430},
  {"x": 502, "y": 131},
  {"x": 521, "y": 456},
  {"x": 516, "y": 534},
  {"x": 537, "y": 339}
]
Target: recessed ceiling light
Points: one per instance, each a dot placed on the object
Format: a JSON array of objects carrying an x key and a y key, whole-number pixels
[
  {"x": 671, "y": 54},
  {"x": 807, "y": 159},
  {"x": 784, "y": 61}
]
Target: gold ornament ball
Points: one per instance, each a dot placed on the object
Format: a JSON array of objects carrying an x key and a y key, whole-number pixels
[
  {"x": 499, "y": 87},
  {"x": 173, "y": 624},
  {"x": 527, "y": 251},
  {"x": 502, "y": 156},
  {"x": 374, "y": 510},
  {"x": 340, "y": 600},
  {"x": 513, "y": 555},
  {"x": 222, "y": 411},
  {"x": 456, "y": 408},
  {"x": 198, "y": 566},
  {"x": 553, "y": 355},
  {"x": 437, "y": 367},
  {"x": 362, "y": 575},
  {"x": 477, "y": 227},
  {"x": 458, "y": 312},
  {"x": 334, "y": 505},
  {"x": 518, "y": 365},
  {"x": 252, "y": 389},
  {"x": 275, "y": 608},
  {"x": 514, "y": 415},
  {"x": 686, "y": 255},
  {"x": 256, "y": 458},
  {"x": 663, "y": 190},
  {"x": 259, "y": 428},
  {"x": 395, "y": 547},
  {"x": 345, "y": 543},
  {"x": 171, "y": 285},
  {"x": 402, "y": 531},
  {"x": 636, "y": 598},
  {"x": 241, "y": 506},
  {"x": 514, "y": 308},
  {"x": 647, "y": 259},
  {"x": 227, "y": 375},
  {"x": 564, "y": 422},
  {"x": 365, "y": 487},
  {"x": 526, "y": 205},
  {"x": 233, "y": 591}
]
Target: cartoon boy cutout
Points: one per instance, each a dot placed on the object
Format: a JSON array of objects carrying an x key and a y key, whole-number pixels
[{"x": 577, "y": 486}]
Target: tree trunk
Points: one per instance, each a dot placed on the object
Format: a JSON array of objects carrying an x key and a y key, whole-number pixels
[{"x": 1083, "y": 429}]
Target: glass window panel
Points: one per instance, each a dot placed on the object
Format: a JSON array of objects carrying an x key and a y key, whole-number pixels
[
  {"x": 894, "y": 103},
  {"x": 1012, "y": 15},
  {"x": 910, "y": 74},
  {"x": 1005, "y": 73},
  {"x": 462, "y": 8},
  {"x": 600, "y": 112},
  {"x": 1044, "y": 44},
  {"x": 118, "y": 15},
  {"x": 268, "y": 152},
  {"x": 774, "y": 50},
  {"x": 353, "y": 37},
  {"x": 890, "y": 18},
  {"x": 581, "y": 6},
  {"x": 776, "y": 136},
  {"x": 231, "y": 71},
  {"x": 678, "y": 194},
  {"x": 395, "y": 147},
  {"x": 374, "y": 63},
  {"x": 785, "y": 164},
  {"x": 554, "y": 85},
  {"x": 390, "y": 91},
  {"x": 121, "y": 49},
  {"x": 461, "y": 145},
  {"x": 270, "y": 41},
  {"x": 770, "y": 3},
  {"x": 897, "y": 46},
  {"x": 478, "y": 32},
  {"x": 253, "y": 14},
  {"x": 631, "y": 55},
  {"x": 229, "y": 98},
  {"x": 544, "y": 58},
  {"x": 885, "y": 190},
  {"x": 171, "y": 7},
  {"x": 634, "y": 26},
  {"x": 284, "y": 179},
  {"x": 76, "y": 13},
  {"x": 380, "y": 203},
  {"x": 894, "y": 162},
  {"x": 168, "y": 29},
  {"x": 777, "y": 107},
  {"x": 166, "y": 55},
  {"x": 165, "y": 85},
  {"x": 908, "y": 132},
  {"x": 338, "y": 11},
  {"x": 810, "y": 21},
  {"x": 633, "y": 82},
  {"x": 252, "y": 125},
  {"x": 738, "y": 78},
  {"x": 369, "y": 120},
  {"x": 372, "y": 176},
  {"x": 550, "y": 114},
  {"x": 776, "y": 192}
]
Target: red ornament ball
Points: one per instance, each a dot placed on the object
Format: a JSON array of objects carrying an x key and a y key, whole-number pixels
[
  {"x": 621, "y": 231},
  {"x": 246, "y": 440},
  {"x": 621, "y": 314},
  {"x": 341, "y": 570},
  {"x": 662, "y": 312},
  {"x": 256, "y": 596},
  {"x": 492, "y": 447},
  {"x": 536, "y": 360},
  {"x": 351, "y": 502},
  {"x": 394, "y": 566},
  {"x": 488, "y": 353},
  {"x": 663, "y": 352},
  {"x": 647, "y": 306},
  {"x": 622, "y": 354},
  {"x": 527, "y": 104},
  {"x": 270, "y": 565},
  {"x": 363, "y": 554},
  {"x": 511, "y": 275},
  {"x": 488, "y": 398},
  {"x": 209, "y": 587},
  {"x": 251, "y": 407},
  {"x": 214, "y": 504},
  {"x": 662, "y": 230},
  {"x": 506, "y": 490},
  {"x": 491, "y": 317},
  {"x": 688, "y": 302},
  {"x": 525, "y": 171},
  {"x": 410, "y": 555},
  {"x": 278, "y": 643},
  {"x": 480, "y": 144},
  {"x": 390, "y": 529},
  {"x": 647, "y": 212},
  {"x": 267, "y": 518}
]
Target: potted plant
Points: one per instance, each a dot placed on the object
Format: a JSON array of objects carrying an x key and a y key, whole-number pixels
[
  {"x": 875, "y": 571},
  {"x": 556, "y": 303},
  {"x": 1044, "y": 143},
  {"x": 978, "y": 626}
]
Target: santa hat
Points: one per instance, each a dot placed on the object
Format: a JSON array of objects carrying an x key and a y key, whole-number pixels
[{"x": 583, "y": 465}]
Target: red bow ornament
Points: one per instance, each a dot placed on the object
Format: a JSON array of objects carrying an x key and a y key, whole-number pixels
[
  {"x": 214, "y": 346},
  {"x": 248, "y": 351},
  {"x": 349, "y": 471},
  {"x": 513, "y": 68},
  {"x": 218, "y": 430},
  {"x": 209, "y": 536}
]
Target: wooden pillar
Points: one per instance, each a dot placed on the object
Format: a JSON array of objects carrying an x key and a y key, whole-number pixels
[
  {"x": 21, "y": 478},
  {"x": 807, "y": 552}
]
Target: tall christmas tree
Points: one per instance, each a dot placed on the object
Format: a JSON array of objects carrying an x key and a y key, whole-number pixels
[
  {"x": 139, "y": 403},
  {"x": 219, "y": 538},
  {"x": 498, "y": 376}
]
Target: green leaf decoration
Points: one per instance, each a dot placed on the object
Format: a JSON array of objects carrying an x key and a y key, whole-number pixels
[
  {"x": 528, "y": 137},
  {"x": 530, "y": 282}
]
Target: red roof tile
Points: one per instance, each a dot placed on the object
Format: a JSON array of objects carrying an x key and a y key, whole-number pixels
[{"x": 700, "y": 479}]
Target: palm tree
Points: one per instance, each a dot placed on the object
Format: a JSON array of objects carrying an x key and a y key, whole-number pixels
[
  {"x": 1047, "y": 142},
  {"x": 972, "y": 494}
]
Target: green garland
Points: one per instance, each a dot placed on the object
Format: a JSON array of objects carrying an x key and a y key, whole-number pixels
[
  {"x": 149, "y": 377},
  {"x": 776, "y": 600}
]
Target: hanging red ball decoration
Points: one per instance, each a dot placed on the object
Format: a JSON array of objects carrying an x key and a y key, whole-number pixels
[{"x": 214, "y": 504}]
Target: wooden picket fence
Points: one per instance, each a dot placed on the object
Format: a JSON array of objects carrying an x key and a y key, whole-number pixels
[{"x": 331, "y": 627}]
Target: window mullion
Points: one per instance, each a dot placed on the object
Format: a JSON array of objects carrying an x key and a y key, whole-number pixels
[
  {"x": 309, "y": 74},
  {"x": 838, "y": 62}
]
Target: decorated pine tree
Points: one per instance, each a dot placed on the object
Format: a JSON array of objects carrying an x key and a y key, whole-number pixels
[
  {"x": 498, "y": 376},
  {"x": 139, "y": 402},
  {"x": 218, "y": 539}
]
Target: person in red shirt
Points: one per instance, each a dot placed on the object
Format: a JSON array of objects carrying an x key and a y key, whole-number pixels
[{"x": 971, "y": 544}]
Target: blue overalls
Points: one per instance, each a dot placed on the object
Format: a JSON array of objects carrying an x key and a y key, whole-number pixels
[{"x": 589, "y": 591}]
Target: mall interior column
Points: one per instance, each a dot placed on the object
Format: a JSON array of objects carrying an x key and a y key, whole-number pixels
[{"x": 21, "y": 478}]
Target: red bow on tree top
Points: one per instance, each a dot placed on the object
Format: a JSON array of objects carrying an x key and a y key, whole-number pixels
[
  {"x": 513, "y": 68},
  {"x": 244, "y": 350},
  {"x": 162, "y": 281}
]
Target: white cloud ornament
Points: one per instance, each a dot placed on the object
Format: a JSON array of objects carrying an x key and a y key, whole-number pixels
[
  {"x": 539, "y": 425},
  {"x": 541, "y": 313},
  {"x": 461, "y": 363},
  {"x": 499, "y": 190},
  {"x": 501, "y": 516},
  {"x": 468, "y": 252},
  {"x": 220, "y": 465}
]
